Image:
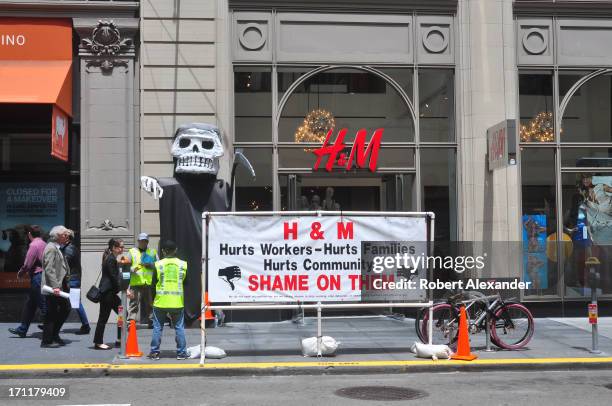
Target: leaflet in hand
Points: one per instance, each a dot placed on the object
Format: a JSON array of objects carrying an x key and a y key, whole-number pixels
[{"x": 47, "y": 290}]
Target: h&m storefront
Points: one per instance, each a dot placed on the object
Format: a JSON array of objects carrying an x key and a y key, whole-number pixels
[
  {"x": 433, "y": 87},
  {"x": 291, "y": 87}
]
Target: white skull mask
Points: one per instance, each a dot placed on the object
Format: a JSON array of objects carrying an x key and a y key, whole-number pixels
[{"x": 197, "y": 149}]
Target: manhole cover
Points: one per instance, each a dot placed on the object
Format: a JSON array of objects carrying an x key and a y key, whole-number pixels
[{"x": 380, "y": 393}]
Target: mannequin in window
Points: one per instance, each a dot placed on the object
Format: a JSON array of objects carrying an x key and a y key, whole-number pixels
[
  {"x": 315, "y": 203},
  {"x": 329, "y": 203},
  {"x": 304, "y": 204},
  {"x": 597, "y": 195}
]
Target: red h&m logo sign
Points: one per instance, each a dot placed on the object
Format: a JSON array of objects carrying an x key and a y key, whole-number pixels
[
  {"x": 497, "y": 145},
  {"x": 359, "y": 152}
]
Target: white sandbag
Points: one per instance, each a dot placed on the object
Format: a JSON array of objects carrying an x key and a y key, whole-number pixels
[
  {"x": 214, "y": 353},
  {"x": 210, "y": 352},
  {"x": 194, "y": 352},
  {"x": 328, "y": 346},
  {"x": 433, "y": 351}
]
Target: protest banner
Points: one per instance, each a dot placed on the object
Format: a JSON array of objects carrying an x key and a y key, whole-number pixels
[{"x": 311, "y": 258}]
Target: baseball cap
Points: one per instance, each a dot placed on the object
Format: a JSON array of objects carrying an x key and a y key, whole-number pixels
[
  {"x": 143, "y": 236},
  {"x": 169, "y": 245}
]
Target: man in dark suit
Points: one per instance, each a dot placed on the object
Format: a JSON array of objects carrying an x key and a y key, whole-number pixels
[
  {"x": 73, "y": 258},
  {"x": 56, "y": 274}
]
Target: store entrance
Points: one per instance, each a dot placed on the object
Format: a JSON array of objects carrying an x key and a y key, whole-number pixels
[{"x": 350, "y": 192}]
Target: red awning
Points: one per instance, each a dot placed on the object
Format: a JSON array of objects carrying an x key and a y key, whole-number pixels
[{"x": 48, "y": 82}]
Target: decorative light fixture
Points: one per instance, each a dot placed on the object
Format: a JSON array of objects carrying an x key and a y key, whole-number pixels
[
  {"x": 539, "y": 129},
  {"x": 315, "y": 127}
]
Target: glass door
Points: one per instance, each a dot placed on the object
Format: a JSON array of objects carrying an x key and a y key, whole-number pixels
[{"x": 389, "y": 192}]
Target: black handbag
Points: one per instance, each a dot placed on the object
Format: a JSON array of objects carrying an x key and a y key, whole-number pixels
[{"x": 94, "y": 293}]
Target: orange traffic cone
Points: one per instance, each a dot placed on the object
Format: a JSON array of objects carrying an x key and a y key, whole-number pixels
[
  {"x": 463, "y": 344},
  {"x": 209, "y": 315},
  {"x": 131, "y": 349}
]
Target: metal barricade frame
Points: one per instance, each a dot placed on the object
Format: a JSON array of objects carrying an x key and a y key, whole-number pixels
[{"x": 429, "y": 218}]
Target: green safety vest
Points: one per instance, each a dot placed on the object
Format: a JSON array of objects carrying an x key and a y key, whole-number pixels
[
  {"x": 169, "y": 288},
  {"x": 143, "y": 275}
]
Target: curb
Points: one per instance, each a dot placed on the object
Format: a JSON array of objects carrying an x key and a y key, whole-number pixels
[{"x": 302, "y": 368}]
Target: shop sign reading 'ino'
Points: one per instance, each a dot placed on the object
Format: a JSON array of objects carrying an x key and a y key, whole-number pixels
[
  {"x": 361, "y": 156},
  {"x": 18, "y": 40}
]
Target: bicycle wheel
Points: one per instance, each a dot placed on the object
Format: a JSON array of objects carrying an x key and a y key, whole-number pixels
[
  {"x": 512, "y": 326},
  {"x": 445, "y": 325},
  {"x": 417, "y": 323}
]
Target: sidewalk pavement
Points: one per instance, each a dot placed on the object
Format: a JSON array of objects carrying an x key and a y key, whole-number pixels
[{"x": 367, "y": 343}]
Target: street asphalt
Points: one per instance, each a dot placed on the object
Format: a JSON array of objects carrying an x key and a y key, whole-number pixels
[
  {"x": 516, "y": 388},
  {"x": 364, "y": 341}
]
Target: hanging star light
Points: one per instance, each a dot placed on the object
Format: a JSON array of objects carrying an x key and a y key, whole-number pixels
[
  {"x": 315, "y": 127},
  {"x": 539, "y": 129}
]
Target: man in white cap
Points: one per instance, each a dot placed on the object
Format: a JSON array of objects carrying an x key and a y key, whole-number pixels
[{"x": 143, "y": 265}]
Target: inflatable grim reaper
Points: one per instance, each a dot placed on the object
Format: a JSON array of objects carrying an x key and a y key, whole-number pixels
[{"x": 194, "y": 189}]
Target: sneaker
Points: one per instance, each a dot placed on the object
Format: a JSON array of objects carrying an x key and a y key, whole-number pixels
[
  {"x": 153, "y": 356},
  {"x": 49, "y": 345},
  {"x": 181, "y": 357},
  {"x": 17, "y": 332},
  {"x": 84, "y": 330}
]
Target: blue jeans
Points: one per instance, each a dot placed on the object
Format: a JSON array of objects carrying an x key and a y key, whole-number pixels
[
  {"x": 81, "y": 310},
  {"x": 35, "y": 300},
  {"x": 159, "y": 318}
]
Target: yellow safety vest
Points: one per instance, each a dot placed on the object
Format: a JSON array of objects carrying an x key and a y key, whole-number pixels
[
  {"x": 169, "y": 287},
  {"x": 142, "y": 275}
]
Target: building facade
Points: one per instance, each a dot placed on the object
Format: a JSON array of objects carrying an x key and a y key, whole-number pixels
[{"x": 275, "y": 76}]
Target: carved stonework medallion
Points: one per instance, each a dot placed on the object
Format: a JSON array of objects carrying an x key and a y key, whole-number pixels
[
  {"x": 107, "y": 64},
  {"x": 106, "y": 225},
  {"x": 435, "y": 40},
  {"x": 535, "y": 41},
  {"x": 106, "y": 42}
]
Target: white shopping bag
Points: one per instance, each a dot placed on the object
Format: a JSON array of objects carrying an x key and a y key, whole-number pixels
[{"x": 75, "y": 298}]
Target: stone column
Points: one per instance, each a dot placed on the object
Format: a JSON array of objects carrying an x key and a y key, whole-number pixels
[
  {"x": 186, "y": 78},
  {"x": 487, "y": 94},
  {"x": 109, "y": 143}
]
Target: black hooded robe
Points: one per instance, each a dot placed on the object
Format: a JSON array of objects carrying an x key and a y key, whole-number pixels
[{"x": 183, "y": 201}]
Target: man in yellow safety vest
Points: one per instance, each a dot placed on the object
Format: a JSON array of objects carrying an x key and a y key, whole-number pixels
[
  {"x": 169, "y": 300},
  {"x": 143, "y": 266}
]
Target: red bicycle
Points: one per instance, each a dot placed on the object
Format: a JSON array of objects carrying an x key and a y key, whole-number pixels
[{"x": 511, "y": 324}]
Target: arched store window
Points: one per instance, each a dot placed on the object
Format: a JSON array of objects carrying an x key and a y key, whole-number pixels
[
  {"x": 566, "y": 170},
  {"x": 416, "y": 164}
]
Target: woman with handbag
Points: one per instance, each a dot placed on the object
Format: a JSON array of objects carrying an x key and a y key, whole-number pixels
[{"x": 108, "y": 289}]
